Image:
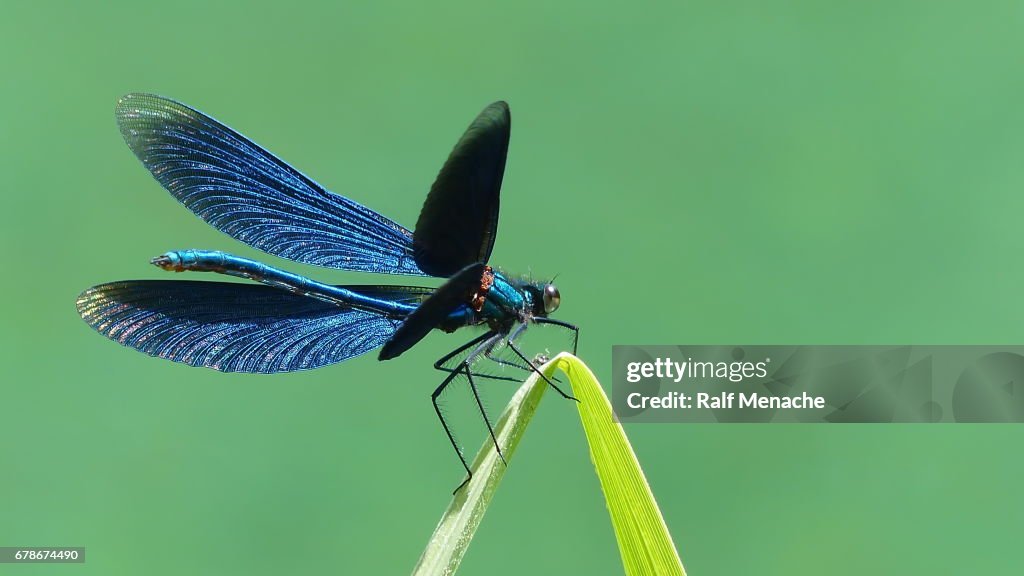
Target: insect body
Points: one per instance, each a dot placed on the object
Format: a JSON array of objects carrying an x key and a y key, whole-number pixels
[{"x": 291, "y": 322}]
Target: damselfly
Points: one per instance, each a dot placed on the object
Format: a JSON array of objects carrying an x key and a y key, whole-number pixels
[{"x": 291, "y": 322}]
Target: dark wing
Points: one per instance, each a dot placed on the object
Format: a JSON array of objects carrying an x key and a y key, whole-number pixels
[
  {"x": 433, "y": 311},
  {"x": 241, "y": 189},
  {"x": 459, "y": 219},
  {"x": 237, "y": 327}
]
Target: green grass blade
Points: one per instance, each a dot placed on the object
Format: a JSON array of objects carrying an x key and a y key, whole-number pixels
[
  {"x": 459, "y": 522},
  {"x": 644, "y": 542}
]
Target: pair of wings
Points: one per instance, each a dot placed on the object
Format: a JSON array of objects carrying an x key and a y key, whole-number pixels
[{"x": 248, "y": 193}]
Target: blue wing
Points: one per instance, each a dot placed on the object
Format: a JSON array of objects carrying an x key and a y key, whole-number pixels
[
  {"x": 237, "y": 327},
  {"x": 248, "y": 193}
]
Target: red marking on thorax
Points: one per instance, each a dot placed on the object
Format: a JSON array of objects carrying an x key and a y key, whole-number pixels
[{"x": 479, "y": 294}]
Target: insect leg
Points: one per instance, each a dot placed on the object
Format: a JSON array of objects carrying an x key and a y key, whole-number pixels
[
  {"x": 572, "y": 327},
  {"x": 481, "y": 348},
  {"x": 503, "y": 362},
  {"x": 482, "y": 344},
  {"x": 451, "y": 438},
  {"x": 511, "y": 338},
  {"x": 442, "y": 363},
  {"x": 534, "y": 368}
]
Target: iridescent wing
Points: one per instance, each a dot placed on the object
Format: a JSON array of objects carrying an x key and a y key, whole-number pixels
[
  {"x": 459, "y": 218},
  {"x": 243, "y": 190},
  {"x": 237, "y": 327}
]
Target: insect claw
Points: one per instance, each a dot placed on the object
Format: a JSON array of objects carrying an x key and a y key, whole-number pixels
[{"x": 464, "y": 482}]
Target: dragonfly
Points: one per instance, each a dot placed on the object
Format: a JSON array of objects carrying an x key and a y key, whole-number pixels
[{"x": 284, "y": 322}]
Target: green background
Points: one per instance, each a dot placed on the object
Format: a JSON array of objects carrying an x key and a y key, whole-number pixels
[{"x": 697, "y": 172}]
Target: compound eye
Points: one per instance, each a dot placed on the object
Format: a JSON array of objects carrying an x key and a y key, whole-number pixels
[{"x": 551, "y": 298}]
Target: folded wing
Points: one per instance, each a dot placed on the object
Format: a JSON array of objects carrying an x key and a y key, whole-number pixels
[
  {"x": 433, "y": 310},
  {"x": 459, "y": 218}
]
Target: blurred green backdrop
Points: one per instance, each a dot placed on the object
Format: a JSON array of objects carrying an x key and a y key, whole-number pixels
[{"x": 697, "y": 172}]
